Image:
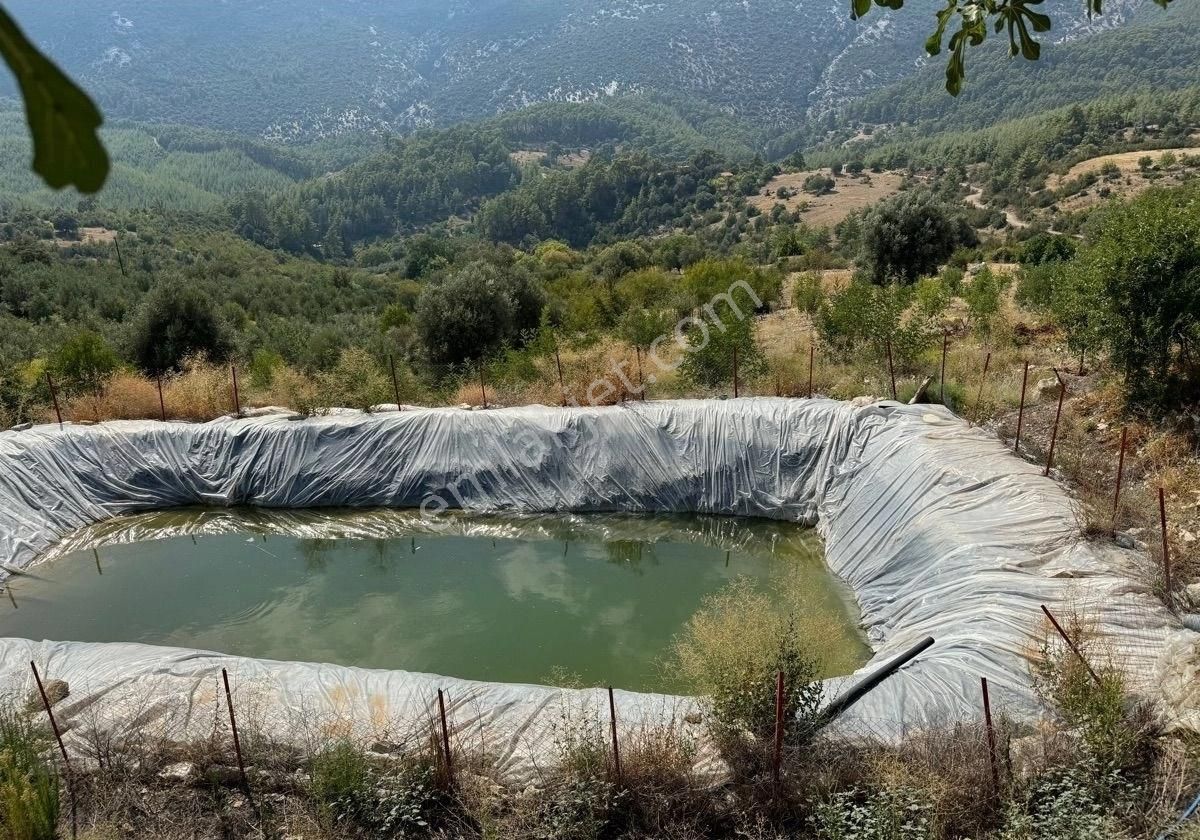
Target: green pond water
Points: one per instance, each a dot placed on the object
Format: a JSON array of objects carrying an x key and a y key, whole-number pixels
[{"x": 599, "y": 600}]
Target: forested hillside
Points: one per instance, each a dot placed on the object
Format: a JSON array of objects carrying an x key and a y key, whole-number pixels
[{"x": 298, "y": 69}]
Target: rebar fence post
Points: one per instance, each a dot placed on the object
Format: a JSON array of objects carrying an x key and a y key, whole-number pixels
[
  {"x": 237, "y": 741},
  {"x": 612, "y": 724},
  {"x": 735, "y": 372},
  {"x": 1062, "y": 392},
  {"x": 891, "y": 368},
  {"x": 991, "y": 734},
  {"x": 562, "y": 386},
  {"x": 62, "y": 748},
  {"x": 1120, "y": 474},
  {"x": 395, "y": 380},
  {"x": 1075, "y": 650},
  {"x": 812, "y": 353},
  {"x": 445, "y": 738},
  {"x": 945, "y": 347},
  {"x": 162, "y": 405},
  {"x": 777, "y": 758},
  {"x": 50, "y": 714},
  {"x": 987, "y": 363},
  {"x": 641, "y": 379},
  {"x": 237, "y": 402},
  {"x": 1021, "y": 410},
  {"x": 483, "y": 385},
  {"x": 1166, "y": 547},
  {"x": 54, "y": 398}
]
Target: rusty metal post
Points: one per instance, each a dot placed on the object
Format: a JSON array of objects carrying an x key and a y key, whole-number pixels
[
  {"x": 54, "y": 397},
  {"x": 1062, "y": 392},
  {"x": 612, "y": 723},
  {"x": 987, "y": 363},
  {"x": 61, "y": 748},
  {"x": 237, "y": 402},
  {"x": 777, "y": 759},
  {"x": 1162, "y": 515},
  {"x": 237, "y": 741},
  {"x": 50, "y": 713},
  {"x": 945, "y": 347},
  {"x": 991, "y": 734},
  {"x": 1071, "y": 644},
  {"x": 812, "y": 352},
  {"x": 735, "y": 372},
  {"x": 162, "y": 405},
  {"x": 891, "y": 368},
  {"x": 1021, "y": 410},
  {"x": 562, "y": 387},
  {"x": 641, "y": 379},
  {"x": 395, "y": 380},
  {"x": 445, "y": 738},
  {"x": 1120, "y": 473},
  {"x": 483, "y": 385}
]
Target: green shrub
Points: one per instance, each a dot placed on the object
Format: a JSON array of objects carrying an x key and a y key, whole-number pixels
[
  {"x": 910, "y": 234},
  {"x": 808, "y": 295},
  {"x": 883, "y": 814},
  {"x": 1099, "y": 708},
  {"x": 341, "y": 780},
  {"x": 83, "y": 362},
  {"x": 176, "y": 322},
  {"x": 1036, "y": 284},
  {"x": 263, "y": 365},
  {"x": 982, "y": 295},
  {"x": 356, "y": 381},
  {"x": 1069, "y": 803},
  {"x": 731, "y": 651},
  {"x": 29, "y": 788}
]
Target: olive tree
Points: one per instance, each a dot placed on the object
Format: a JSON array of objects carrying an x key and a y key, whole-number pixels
[
  {"x": 910, "y": 234},
  {"x": 476, "y": 311},
  {"x": 1135, "y": 288}
]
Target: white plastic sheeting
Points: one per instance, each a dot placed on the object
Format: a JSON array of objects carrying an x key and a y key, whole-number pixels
[{"x": 938, "y": 529}]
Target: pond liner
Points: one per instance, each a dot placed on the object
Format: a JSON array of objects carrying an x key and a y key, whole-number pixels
[{"x": 935, "y": 526}]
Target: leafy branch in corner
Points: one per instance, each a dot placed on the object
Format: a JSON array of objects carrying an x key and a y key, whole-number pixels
[
  {"x": 1017, "y": 17},
  {"x": 63, "y": 120}
]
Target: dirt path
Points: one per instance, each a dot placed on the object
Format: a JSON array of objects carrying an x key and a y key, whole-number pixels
[{"x": 975, "y": 199}]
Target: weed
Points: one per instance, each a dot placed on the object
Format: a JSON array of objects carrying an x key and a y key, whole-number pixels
[{"x": 29, "y": 787}]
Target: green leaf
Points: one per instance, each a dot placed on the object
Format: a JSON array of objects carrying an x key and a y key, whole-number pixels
[
  {"x": 63, "y": 121},
  {"x": 933, "y": 44},
  {"x": 858, "y": 8}
]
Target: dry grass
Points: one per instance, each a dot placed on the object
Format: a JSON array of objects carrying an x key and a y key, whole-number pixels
[{"x": 852, "y": 193}]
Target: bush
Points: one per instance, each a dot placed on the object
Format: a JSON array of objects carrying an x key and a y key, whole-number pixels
[
  {"x": 819, "y": 184},
  {"x": 982, "y": 295},
  {"x": 176, "y": 322},
  {"x": 808, "y": 295},
  {"x": 355, "y": 382},
  {"x": 1136, "y": 289},
  {"x": 1036, "y": 284},
  {"x": 874, "y": 815},
  {"x": 863, "y": 315},
  {"x": 1099, "y": 710},
  {"x": 1069, "y": 803},
  {"x": 341, "y": 780},
  {"x": 475, "y": 311},
  {"x": 731, "y": 650},
  {"x": 29, "y": 795},
  {"x": 83, "y": 362},
  {"x": 910, "y": 234},
  {"x": 708, "y": 360}
]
